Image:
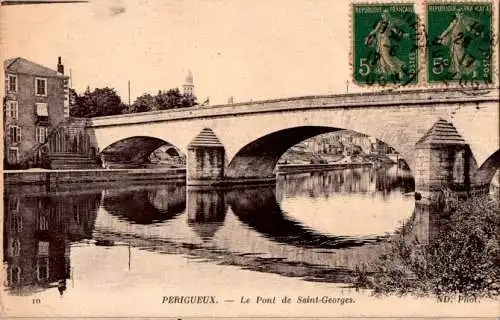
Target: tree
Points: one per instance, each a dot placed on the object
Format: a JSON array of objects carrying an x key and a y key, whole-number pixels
[
  {"x": 170, "y": 99},
  {"x": 105, "y": 102},
  {"x": 100, "y": 102},
  {"x": 143, "y": 103},
  {"x": 188, "y": 101},
  {"x": 173, "y": 99}
]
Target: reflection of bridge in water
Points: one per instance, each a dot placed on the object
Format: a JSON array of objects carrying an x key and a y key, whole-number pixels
[
  {"x": 146, "y": 206},
  {"x": 242, "y": 227}
]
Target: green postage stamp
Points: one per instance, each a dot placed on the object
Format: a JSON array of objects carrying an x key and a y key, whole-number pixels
[
  {"x": 385, "y": 44},
  {"x": 460, "y": 37}
]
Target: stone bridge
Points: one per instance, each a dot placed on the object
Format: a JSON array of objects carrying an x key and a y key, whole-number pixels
[{"x": 447, "y": 136}]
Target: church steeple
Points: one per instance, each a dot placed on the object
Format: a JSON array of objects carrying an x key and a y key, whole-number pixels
[{"x": 188, "y": 86}]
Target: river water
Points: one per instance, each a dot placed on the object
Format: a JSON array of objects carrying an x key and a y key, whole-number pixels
[{"x": 120, "y": 249}]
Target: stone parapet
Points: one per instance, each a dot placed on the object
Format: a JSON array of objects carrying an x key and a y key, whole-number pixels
[{"x": 374, "y": 99}]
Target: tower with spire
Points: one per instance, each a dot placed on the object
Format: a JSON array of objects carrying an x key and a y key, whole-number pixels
[{"x": 188, "y": 86}]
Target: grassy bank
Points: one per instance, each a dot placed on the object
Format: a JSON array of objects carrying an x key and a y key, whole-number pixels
[{"x": 463, "y": 259}]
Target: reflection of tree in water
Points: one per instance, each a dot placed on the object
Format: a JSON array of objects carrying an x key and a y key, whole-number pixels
[
  {"x": 146, "y": 206},
  {"x": 38, "y": 231},
  {"x": 389, "y": 179},
  {"x": 259, "y": 210},
  {"x": 358, "y": 180}
]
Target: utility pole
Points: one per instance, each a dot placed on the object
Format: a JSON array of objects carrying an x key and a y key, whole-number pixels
[
  {"x": 70, "y": 79},
  {"x": 129, "y": 92},
  {"x": 347, "y": 86}
]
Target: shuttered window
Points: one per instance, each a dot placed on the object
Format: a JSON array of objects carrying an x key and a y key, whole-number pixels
[
  {"x": 41, "y": 86},
  {"x": 15, "y": 134},
  {"x": 12, "y": 109},
  {"x": 41, "y": 134}
]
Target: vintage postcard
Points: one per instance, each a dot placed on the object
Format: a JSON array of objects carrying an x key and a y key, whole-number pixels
[{"x": 250, "y": 159}]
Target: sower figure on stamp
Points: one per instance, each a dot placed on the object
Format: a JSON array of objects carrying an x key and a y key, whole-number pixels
[
  {"x": 387, "y": 30},
  {"x": 454, "y": 36}
]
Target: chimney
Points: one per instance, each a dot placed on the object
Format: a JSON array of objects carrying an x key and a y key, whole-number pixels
[{"x": 60, "y": 67}]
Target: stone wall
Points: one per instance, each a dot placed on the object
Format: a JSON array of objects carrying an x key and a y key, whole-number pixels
[
  {"x": 205, "y": 163},
  {"x": 52, "y": 178}
]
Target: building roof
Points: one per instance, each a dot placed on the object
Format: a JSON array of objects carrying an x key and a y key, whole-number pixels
[
  {"x": 21, "y": 65},
  {"x": 206, "y": 138},
  {"x": 442, "y": 132},
  {"x": 189, "y": 79}
]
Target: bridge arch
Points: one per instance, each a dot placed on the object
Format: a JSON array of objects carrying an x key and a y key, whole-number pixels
[
  {"x": 485, "y": 173},
  {"x": 135, "y": 150},
  {"x": 258, "y": 158}
]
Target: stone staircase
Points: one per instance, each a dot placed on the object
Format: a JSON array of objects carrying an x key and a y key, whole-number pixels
[
  {"x": 68, "y": 146},
  {"x": 70, "y": 160}
]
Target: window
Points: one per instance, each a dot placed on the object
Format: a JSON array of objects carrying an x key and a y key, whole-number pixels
[
  {"x": 43, "y": 248},
  {"x": 44, "y": 224},
  {"x": 15, "y": 274},
  {"x": 41, "y": 134},
  {"x": 13, "y": 204},
  {"x": 12, "y": 109},
  {"x": 41, "y": 86},
  {"x": 15, "y": 134},
  {"x": 42, "y": 268},
  {"x": 16, "y": 247},
  {"x": 13, "y": 155},
  {"x": 12, "y": 83},
  {"x": 41, "y": 109},
  {"x": 16, "y": 223}
]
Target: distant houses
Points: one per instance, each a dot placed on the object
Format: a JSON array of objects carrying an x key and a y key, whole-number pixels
[{"x": 345, "y": 142}]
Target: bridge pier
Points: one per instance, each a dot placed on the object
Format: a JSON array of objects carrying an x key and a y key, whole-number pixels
[
  {"x": 205, "y": 160},
  {"x": 443, "y": 165}
]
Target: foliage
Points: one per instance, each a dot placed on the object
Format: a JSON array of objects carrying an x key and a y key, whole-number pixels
[
  {"x": 164, "y": 100},
  {"x": 106, "y": 102},
  {"x": 462, "y": 259},
  {"x": 99, "y": 102},
  {"x": 144, "y": 103}
]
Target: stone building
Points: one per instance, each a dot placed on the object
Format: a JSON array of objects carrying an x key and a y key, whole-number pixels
[{"x": 36, "y": 100}]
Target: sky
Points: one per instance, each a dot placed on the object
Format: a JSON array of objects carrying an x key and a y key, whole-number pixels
[{"x": 250, "y": 50}]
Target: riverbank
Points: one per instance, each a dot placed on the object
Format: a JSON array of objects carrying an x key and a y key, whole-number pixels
[
  {"x": 296, "y": 168},
  {"x": 51, "y": 178},
  {"x": 56, "y": 177},
  {"x": 458, "y": 259}
]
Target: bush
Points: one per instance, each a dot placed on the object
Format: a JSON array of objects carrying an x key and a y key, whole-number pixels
[{"x": 462, "y": 259}]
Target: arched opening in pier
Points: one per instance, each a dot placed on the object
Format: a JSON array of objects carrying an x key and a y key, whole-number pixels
[{"x": 142, "y": 152}]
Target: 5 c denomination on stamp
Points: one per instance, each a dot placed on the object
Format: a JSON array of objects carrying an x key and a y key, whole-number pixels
[{"x": 385, "y": 44}]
